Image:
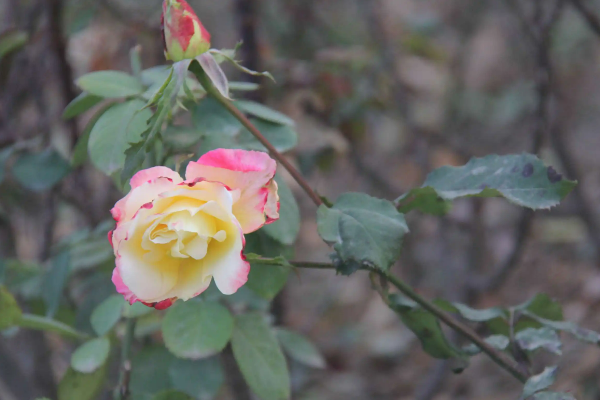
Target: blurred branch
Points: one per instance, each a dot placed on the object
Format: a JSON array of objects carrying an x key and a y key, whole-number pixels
[
  {"x": 539, "y": 31},
  {"x": 126, "y": 19},
  {"x": 65, "y": 73},
  {"x": 235, "y": 380},
  {"x": 122, "y": 390},
  {"x": 592, "y": 20}
]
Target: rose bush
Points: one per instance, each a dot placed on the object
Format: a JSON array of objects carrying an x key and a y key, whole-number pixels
[{"x": 173, "y": 235}]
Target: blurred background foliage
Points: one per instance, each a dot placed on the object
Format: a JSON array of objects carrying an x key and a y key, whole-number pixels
[{"x": 381, "y": 92}]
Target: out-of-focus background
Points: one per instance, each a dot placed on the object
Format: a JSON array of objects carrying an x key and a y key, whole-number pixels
[{"x": 382, "y": 92}]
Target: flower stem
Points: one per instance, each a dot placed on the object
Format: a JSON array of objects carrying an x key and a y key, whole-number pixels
[
  {"x": 212, "y": 91},
  {"x": 122, "y": 391},
  {"x": 498, "y": 357}
]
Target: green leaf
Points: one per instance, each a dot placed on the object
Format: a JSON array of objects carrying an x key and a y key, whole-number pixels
[
  {"x": 499, "y": 342},
  {"x": 426, "y": 327},
  {"x": 116, "y": 128},
  {"x": 300, "y": 349},
  {"x": 472, "y": 314},
  {"x": 110, "y": 84},
  {"x": 196, "y": 329},
  {"x": 91, "y": 355},
  {"x": 201, "y": 379},
  {"x": 12, "y": 41},
  {"x": 222, "y": 55},
  {"x": 243, "y": 86},
  {"x": 212, "y": 119},
  {"x": 107, "y": 314},
  {"x": 172, "y": 395},
  {"x": 79, "y": 386},
  {"x": 259, "y": 357},
  {"x": 267, "y": 277},
  {"x": 214, "y": 73},
  {"x": 49, "y": 325},
  {"x": 80, "y": 153},
  {"x": 545, "y": 395},
  {"x": 539, "y": 382},
  {"x": 80, "y": 104},
  {"x": 55, "y": 281},
  {"x": 285, "y": 230},
  {"x": 363, "y": 230},
  {"x": 40, "y": 171},
  {"x": 282, "y": 137},
  {"x": 150, "y": 371},
  {"x": 136, "y": 310},
  {"x": 521, "y": 179},
  {"x": 585, "y": 335},
  {"x": 265, "y": 113},
  {"x": 531, "y": 339},
  {"x": 10, "y": 313}
]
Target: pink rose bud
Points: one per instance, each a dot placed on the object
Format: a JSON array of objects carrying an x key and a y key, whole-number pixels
[
  {"x": 175, "y": 235},
  {"x": 183, "y": 34}
]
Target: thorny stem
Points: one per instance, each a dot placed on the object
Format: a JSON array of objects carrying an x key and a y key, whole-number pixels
[
  {"x": 212, "y": 91},
  {"x": 122, "y": 391},
  {"x": 498, "y": 357}
]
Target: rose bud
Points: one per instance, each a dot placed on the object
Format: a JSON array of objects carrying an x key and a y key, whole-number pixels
[{"x": 184, "y": 35}]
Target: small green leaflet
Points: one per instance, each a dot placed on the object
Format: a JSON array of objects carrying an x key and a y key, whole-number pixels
[
  {"x": 364, "y": 231},
  {"x": 539, "y": 382}
]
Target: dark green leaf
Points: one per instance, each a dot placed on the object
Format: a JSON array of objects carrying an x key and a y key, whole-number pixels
[
  {"x": 287, "y": 227},
  {"x": 150, "y": 372},
  {"x": 55, "y": 281},
  {"x": 31, "y": 321},
  {"x": 91, "y": 355},
  {"x": 363, "y": 230},
  {"x": 531, "y": 339},
  {"x": 116, "y": 128},
  {"x": 107, "y": 314},
  {"x": 78, "y": 386},
  {"x": 212, "y": 119},
  {"x": 171, "y": 395},
  {"x": 80, "y": 104},
  {"x": 300, "y": 349},
  {"x": 40, "y": 171},
  {"x": 10, "y": 313},
  {"x": 136, "y": 310},
  {"x": 426, "y": 327},
  {"x": 521, "y": 179},
  {"x": 499, "y": 342},
  {"x": 201, "y": 379},
  {"x": 259, "y": 357},
  {"x": 196, "y": 329},
  {"x": 267, "y": 278},
  {"x": 539, "y": 382},
  {"x": 110, "y": 84},
  {"x": 12, "y": 41},
  {"x": 265, "y": 113},
  {"x": 181, "y": 139},
  {"x": 542, "y": 306}
]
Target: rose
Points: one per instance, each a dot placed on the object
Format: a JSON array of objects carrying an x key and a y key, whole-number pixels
[
  {"x": 184, "y": 35},
  {"x": 173, "y": 236}
]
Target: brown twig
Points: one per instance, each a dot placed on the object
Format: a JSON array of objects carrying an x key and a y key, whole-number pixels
[
  {"x": 498, "y": 357},
  {"x": 588, "y": 15},
  {"x": 211, "y": 90}
]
